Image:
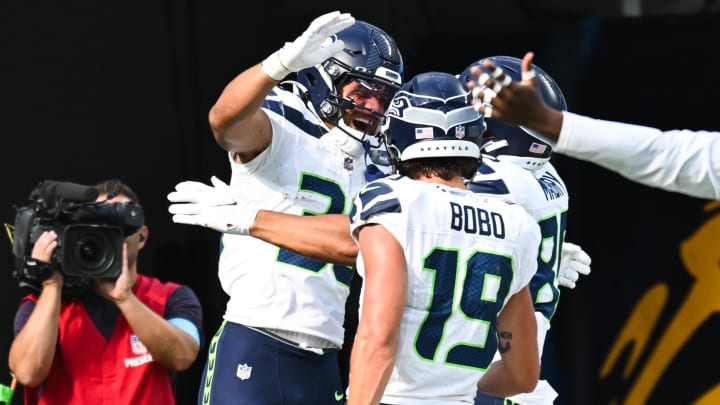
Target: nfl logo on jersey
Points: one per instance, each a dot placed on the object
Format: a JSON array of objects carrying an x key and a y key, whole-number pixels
[
  {"x": 243, "y": 371},
  {"x": 136, "y": 345},
  {"x": 460, "y": 132}
]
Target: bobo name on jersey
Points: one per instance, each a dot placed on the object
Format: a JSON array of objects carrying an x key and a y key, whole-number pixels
[{"x": 476, "y": 220}]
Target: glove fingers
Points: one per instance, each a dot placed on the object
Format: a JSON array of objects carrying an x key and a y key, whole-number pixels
[
  {"x": 219, "y": 184},
  {"x": 187, "y": 220},
  {"x": 334, "y": 48},
  {"x": 577, "y": 256},
  {"x": 570, "y": 274},
  {"x": 191, "y": 186},
  {"x": 330, "y": 23},
  {"x": 185, "y": 196},
  {"x": 186, "y": 209},
  {"x": 575, "y": 252},
  {"x": 320, "y": 21},
  {"x": 564, "y": 282},
  {"x": 338, "y": 24},
  {"x": 583, "y": 257},
  {"x": 579, "y": 267}
]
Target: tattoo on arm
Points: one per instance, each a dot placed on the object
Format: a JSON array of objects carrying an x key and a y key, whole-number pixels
[{"x": 504, "y": 339}]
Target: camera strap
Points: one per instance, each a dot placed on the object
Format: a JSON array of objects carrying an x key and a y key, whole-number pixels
[{"x": 33, "y": 272}]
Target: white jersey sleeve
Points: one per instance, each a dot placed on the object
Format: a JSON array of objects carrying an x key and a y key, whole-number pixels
[
  {"x": 683, "y": 161},
  {"x": 466, "y": 256}
]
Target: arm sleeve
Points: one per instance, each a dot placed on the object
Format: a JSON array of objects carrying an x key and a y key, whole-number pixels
[
  {"x": 682, "y": 161},
  {"x": 22, "y": 315},
  {"x": 184, "y": 311}
]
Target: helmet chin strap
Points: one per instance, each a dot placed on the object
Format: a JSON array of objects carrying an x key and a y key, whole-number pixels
[{"x": 347, "y": 139}]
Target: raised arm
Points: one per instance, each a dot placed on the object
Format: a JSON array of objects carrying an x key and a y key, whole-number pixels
[
  {"x": 237, "y": 121},
  {"x": 682, "y": 161}
]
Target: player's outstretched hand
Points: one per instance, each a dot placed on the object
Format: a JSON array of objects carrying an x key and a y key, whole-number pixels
[
  {"x": 573, "y": 263},
  {"x": 314, "y": 46},
  {"x": 496, "y": 95},
  {"x": 216, "y": 207}
]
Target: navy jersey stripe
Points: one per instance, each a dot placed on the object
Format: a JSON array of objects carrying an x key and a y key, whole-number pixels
[
  {"x": 391, "y": 205},
  {"x": 489, "y": 187},
  {"x": 485, "y": 169},
  {"x": 295, "y": 117}
]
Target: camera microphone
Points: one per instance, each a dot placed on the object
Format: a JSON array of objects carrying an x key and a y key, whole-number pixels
[{"x": 68, "y": 191}]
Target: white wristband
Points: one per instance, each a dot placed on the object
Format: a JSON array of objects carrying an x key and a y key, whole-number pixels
[{"x": 273, "y": 67}]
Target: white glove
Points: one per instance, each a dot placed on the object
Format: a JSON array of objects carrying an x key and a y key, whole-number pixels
[
  {"x": 574, "y": 262},
  {"x": 310, "y": 48},
  {"x": 218, "y": 207}
]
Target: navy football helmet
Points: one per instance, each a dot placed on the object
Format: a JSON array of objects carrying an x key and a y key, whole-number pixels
[
  {"x": 431, "y": 116},
  {"x": 520, "y": 145},
  {"x": 371, "y": 58}
]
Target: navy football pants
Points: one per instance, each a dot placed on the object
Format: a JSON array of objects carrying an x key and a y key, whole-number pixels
[{"x": 245, "y": 366}]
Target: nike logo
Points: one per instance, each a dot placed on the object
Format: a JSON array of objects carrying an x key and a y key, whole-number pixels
[
  {"x": 339, "y": 396},
  {"x": 371, "y": 188}
]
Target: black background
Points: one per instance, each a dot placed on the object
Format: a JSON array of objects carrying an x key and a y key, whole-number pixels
[{"x": 93, "y": 90}]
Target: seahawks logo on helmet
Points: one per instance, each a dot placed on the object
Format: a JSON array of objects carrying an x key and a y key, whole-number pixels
[{"x": 431, "y": 116}]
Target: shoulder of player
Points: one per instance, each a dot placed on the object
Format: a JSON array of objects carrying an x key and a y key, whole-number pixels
[
  {"x": 508, "y": 207},
  {"x": 397, "y": 187},
  {"x": 508, "y": 172},
  {"x": 284, "y": 106}
]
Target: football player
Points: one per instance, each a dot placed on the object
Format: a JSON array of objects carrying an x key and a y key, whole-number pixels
[
  {"x": 445, "y": 270},
  {"x": 296, "y": 147},
  {"x": 516, "y": 164}
]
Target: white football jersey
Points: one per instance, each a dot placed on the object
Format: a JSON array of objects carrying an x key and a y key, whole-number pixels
[
  {"x": 466, "y": 255},
  {"x": 307, "y": 171},
  {"x": 544, "y": 195}
]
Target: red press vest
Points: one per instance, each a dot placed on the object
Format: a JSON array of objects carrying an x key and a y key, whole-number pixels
[{"x": 89, "y": 370}]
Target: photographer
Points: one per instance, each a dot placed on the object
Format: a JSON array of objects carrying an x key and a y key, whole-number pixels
[{"x": 121, "y": 341}]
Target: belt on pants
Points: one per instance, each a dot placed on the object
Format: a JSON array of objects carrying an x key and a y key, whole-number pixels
[{"x": 296, "y": 339}]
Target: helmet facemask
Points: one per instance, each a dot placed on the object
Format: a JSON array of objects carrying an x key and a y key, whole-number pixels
[
  {"x": 354, "y": 114},
  {"x": 371, "y": 59},
  {"x": 348, "y": 85}
]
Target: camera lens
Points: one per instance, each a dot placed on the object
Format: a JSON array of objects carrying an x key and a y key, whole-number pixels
[{"x": 91, "y": 252}]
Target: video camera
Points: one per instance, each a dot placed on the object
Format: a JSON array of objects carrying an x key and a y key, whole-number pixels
[{"x": 90, "y": 234}]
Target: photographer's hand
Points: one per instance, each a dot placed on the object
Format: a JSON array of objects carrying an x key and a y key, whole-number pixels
[
  {"x": 42, "y": 251},
  {"x": 120, "y": 289},
  {"x": 169, "y": 345},
  {"x": 44, "y": 246}
]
